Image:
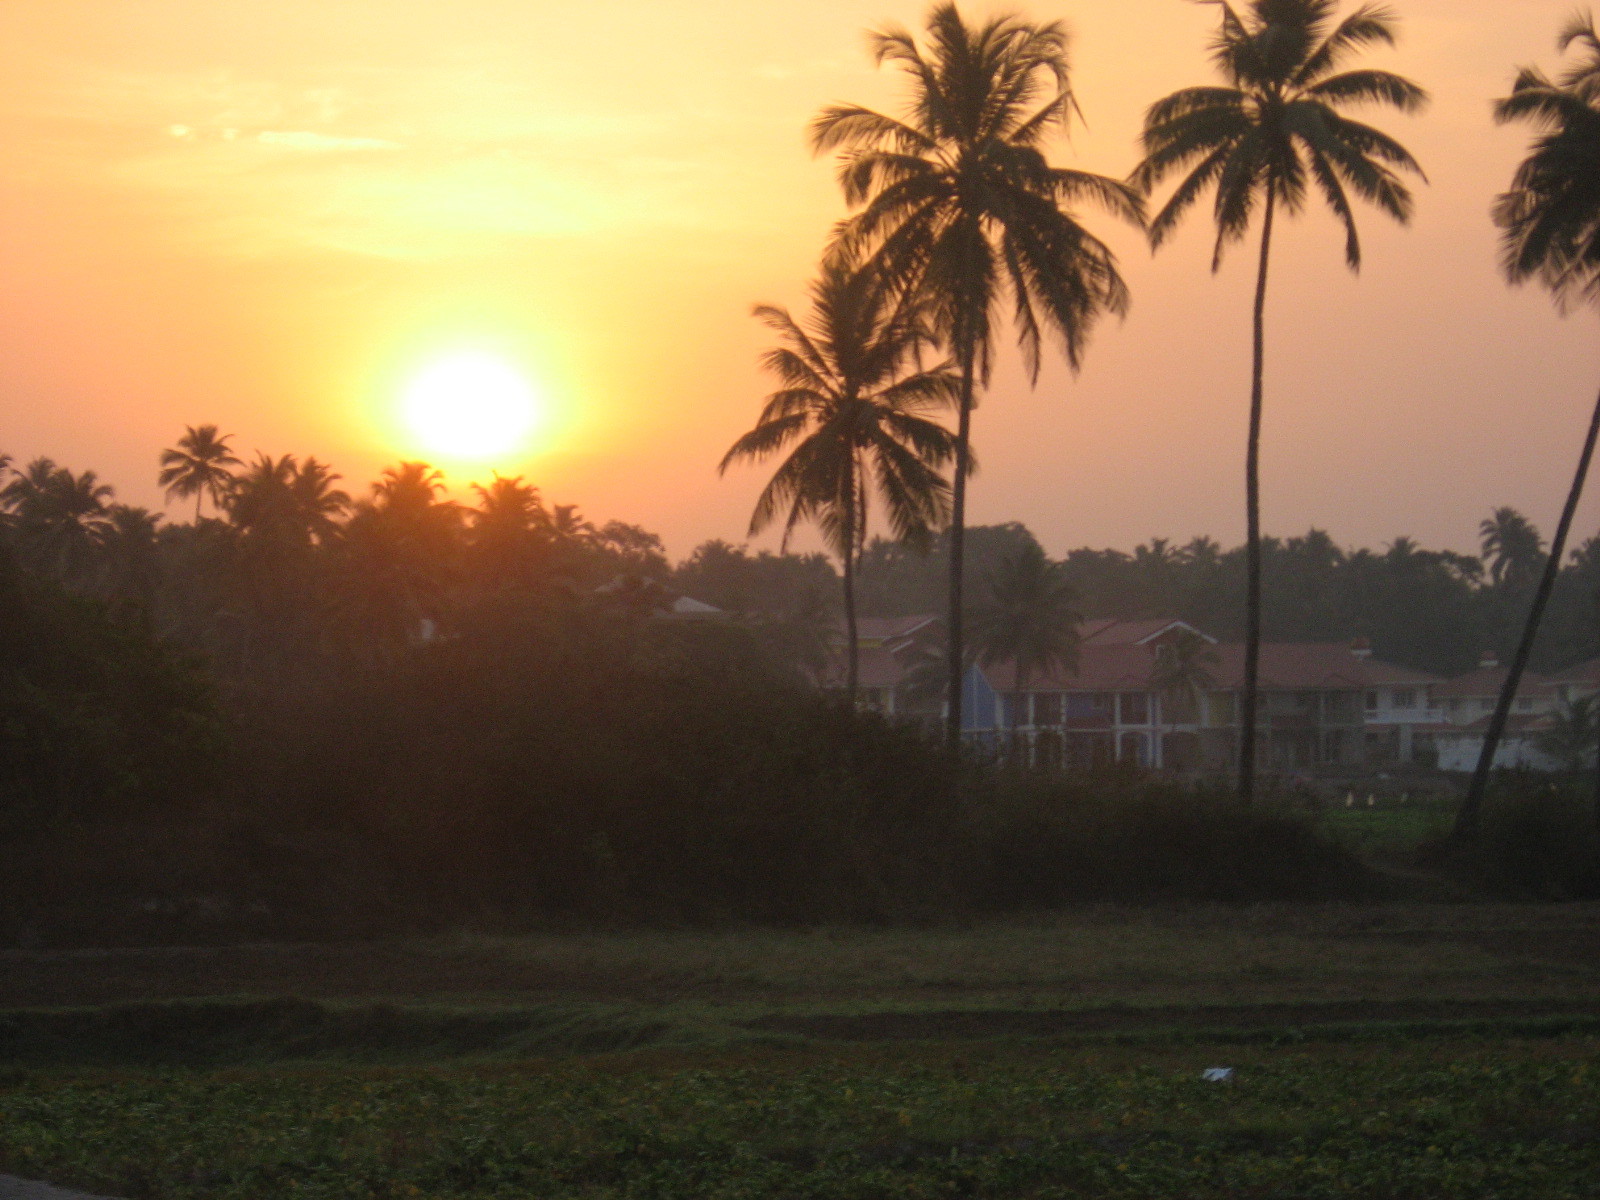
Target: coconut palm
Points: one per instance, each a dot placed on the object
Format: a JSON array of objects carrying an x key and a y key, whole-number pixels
[
  {"x": 317, "y": 502},
  {"x": 198, "y": 466},
  {"x": 1272, "y": 134},
  {"x": 1029, "y": 620},
  {"x": 1550, "y": 231},
  {"x": 57, "y": 517},
  {"x": 1182, "y": 673},
  {"x": 1511, "y": 546},
  {"x": 958, "y": 205},
  {"x": 854, "y": 411}
]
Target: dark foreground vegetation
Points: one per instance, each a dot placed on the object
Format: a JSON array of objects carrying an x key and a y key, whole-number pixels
[{"x": 562, "y": 760}]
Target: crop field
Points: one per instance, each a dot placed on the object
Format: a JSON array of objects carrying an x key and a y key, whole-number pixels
[
  {"x": 1507, "y": 1119},
  {"x": 1381, "y": 1051}
]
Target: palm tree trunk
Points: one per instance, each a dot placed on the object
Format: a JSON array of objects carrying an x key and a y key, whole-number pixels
[
  {"x": 1472, "y": 807},
  {"x": 958, "y": 530},
  {"x": 1252, "y": 504},
  {"x": 198, "y": 496},
  {"x": 853, "y": 667}
]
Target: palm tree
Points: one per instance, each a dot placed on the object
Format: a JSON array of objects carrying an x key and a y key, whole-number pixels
[
  {"x": 1262, "y": 141},
  {"x": 58, "y": 516},
  {"x": 1182, "y": 673},
  {"x": 509, "y": 527},
  {"x": 317, "y": 503},
  {"x": 853, "y": 405},
  {"x": 958, "y": 205},
  {"x": 1550, "y": 231},
  {"x": 1030, "y": 620},
  {"x": 1570, "y": 737},
  {"x": 198, "y": 466},
  {"x": 1511, "y": 546}
]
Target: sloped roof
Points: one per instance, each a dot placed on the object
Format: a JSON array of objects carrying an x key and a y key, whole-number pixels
[
  {"x": 1114, "y": 631},
  {"x": 890, "y": 628},
  {"x": 1285, "y": 666},
  {"x": 1487, "y": 681}
]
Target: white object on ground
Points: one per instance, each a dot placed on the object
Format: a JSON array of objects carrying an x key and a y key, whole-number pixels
[{"x": 1217, "y": 1075}]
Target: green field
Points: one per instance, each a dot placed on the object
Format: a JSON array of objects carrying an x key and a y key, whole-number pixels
[
  {"x": 1413, "y": 1118},
  {"x": 1379, "y": 1051}
]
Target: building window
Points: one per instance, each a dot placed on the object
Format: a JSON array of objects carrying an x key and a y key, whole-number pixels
[
  {"x": 1135, "y": 708},
  {"x": 1405, "y": 698},
  {"x": 1372, "y": 701}
]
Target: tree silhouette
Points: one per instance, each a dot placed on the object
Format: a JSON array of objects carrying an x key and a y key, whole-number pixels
[
  {"x": 855, "y": 405},
  {"x": 958, "y": 205},
  {"x": 1550, "y": 231},
  {"x": 1511, "y": 546},
  {"x": 1273, "y": 133},
  {"x": 1030, "y": 620},
  {"x": 198, "y": 466},
  {"x": 57, "y": 517}
]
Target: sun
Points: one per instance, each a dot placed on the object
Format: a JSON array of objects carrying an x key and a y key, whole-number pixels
[{"x": 471, "y": 405}]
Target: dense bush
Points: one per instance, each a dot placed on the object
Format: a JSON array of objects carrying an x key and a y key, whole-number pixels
[{"x": 1539, "y": 840}]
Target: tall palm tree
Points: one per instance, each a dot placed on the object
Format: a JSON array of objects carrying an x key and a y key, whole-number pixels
[
  {"x": 1550, "y": 231},
  {"x": 510, "y": 526},
  {"x": 855, "y": 405},
  {"x": 198, "y": 466},
  {"x": 957, "y": 204},
  {"x": 1263, "y": 141},
  {"x": 1030, "y": 620}
]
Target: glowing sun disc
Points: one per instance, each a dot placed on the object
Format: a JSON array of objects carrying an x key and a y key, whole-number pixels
[{"x": 470, "y": 405}]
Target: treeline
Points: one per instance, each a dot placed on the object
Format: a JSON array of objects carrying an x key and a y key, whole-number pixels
[
  {"x": 290, "y": 570},
  {"x": 1433, "y": 609}
]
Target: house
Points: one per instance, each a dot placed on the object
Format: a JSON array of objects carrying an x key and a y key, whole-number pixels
[
  {"x": 1467, "y": 704},
  {"x": 1319, "y": 705}
]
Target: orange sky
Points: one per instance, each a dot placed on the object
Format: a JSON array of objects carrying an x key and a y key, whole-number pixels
[{"x": 265, "y": 213}]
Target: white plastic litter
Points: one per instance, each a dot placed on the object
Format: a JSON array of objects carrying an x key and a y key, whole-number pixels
[{"x": 1217, "y": 1075}]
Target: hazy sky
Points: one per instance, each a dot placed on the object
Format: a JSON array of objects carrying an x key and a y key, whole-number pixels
[{"x": 268, "y": 213}]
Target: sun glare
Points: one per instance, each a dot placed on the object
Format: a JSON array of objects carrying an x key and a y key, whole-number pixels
[{"x": 471, "y": 405}]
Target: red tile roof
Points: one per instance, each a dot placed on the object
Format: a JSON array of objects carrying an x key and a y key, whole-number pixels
[{"x": 1487, "y": 681}]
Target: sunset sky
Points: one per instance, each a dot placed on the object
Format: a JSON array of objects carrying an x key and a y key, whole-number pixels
[{"x": 274, "y": 214}]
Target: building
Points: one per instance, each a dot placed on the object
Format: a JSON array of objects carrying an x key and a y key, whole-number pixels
[{"x": 1320, "y": 705}]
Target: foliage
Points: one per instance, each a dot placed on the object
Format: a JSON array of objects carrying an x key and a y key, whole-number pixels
[
  {"x": 96, "y": 719},
  {"x": 1511, "y": 1120}
]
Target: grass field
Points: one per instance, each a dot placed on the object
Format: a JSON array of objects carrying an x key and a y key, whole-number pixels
[{"x": 1380, "y": 1051}]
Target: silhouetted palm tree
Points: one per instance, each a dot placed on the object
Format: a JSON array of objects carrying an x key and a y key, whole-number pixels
[
  {"x": 1550, "y": 231},
  {"x": 1263, "y": 141},
  {"x": 1511, "y": 546},
  {"x": 509, "y": 528},
  {"x": 198, "y": 466},
  {"x": 855, "y": 407},
  {"x": 58, "y": 517},
  {"x": 1030, "y": 620},
  {"x": 958, "y": 205},
  {"x": 317, "y": 503}
]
